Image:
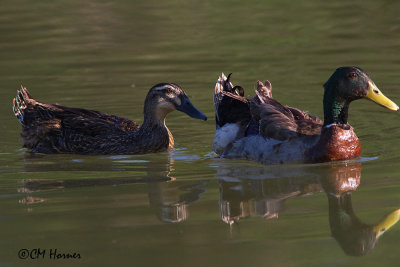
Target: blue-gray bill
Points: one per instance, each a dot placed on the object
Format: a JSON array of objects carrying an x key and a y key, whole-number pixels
[{"x": 188, "y": 108}]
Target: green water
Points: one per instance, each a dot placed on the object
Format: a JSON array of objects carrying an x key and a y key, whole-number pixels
[{"x": 187, "y": 208}]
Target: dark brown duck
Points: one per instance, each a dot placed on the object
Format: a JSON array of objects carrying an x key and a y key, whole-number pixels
[{"x": 49, "y": 128}]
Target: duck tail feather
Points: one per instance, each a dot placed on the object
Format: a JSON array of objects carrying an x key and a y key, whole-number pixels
[
  {"x": 230, "y": 105},
  {"x": 264, "y": 91},
  {"x": 218, "y": 93},
  {"x": 20, "y": 103}
]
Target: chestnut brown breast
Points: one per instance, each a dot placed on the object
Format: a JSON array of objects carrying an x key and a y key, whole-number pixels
[{"x": 337, "y": 142}]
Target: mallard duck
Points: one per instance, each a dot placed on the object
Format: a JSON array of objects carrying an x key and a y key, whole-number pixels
[
  {"x": 48, "y": 128},
  {"x": 263, "y": 130}
]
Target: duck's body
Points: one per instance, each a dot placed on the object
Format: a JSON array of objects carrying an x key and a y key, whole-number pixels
[
  {"x": 48, "y": 128},
  {"x": 334, "y": 145},
  {"x": 263, "y": 130}
]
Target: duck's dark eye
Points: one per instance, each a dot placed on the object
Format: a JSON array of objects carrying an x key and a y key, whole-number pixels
[
  {"x": 352, "y": 75},
  {"x": 167, "y": 90}
]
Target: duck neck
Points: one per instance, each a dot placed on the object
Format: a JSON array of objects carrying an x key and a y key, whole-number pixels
[
  {"x": 153, "y": 116},
  {"x": 153, "y": 130},
  {"x": 335, "y": 108},
  {"x": 152, "y": 121}
]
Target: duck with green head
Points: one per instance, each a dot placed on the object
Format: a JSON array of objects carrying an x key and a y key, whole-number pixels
[
  {"x": 269, "y": 132},
  {"x": 48, "y": 128}
]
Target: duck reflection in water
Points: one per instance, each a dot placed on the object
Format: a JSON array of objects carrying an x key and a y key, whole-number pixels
[
  {"x": 354, "y": 236},
  {"x": 261, "y": 191},
  {"x": 170, "y": 198}
]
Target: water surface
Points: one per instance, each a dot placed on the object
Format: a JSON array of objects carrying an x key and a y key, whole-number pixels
[{"x": 186, "y": 207}]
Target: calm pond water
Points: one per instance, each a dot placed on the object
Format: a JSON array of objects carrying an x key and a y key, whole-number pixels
[{"x": 188, "y": 208}]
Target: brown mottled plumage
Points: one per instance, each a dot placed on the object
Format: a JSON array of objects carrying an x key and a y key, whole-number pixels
[
  {"x": 48, "y": 128},
  {"x": 266, "y": 131},
  {"x": 281, "y": 122}
]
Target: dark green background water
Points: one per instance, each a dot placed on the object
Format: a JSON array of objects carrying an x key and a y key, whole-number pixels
[{"x": 105, "y": 55}]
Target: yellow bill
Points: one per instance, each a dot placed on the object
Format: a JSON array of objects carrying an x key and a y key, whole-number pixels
[
  {"x": 387, "y": 222},
  {"x": 376, "y": 95}
]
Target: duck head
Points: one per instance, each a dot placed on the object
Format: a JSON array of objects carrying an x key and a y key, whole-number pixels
[
  {"x": 164, "y": 98},
  {"x": 346, "y": 85}
]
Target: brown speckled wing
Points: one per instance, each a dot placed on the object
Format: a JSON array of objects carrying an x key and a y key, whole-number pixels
[
  {"x": 281, "y": 122},
  {"x": 274, "y": 120},
  {"x": 93, "y": 120},
  {"x": 51, "y": 128}
]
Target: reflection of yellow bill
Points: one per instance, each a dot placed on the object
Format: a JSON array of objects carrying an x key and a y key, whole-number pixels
[
  {"x": 387, "y": 222},
  {"x": 376, "y": 95}
]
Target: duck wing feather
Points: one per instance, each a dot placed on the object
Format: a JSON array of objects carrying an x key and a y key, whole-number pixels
[
  {"x": 281, "y": 122},
  {"x": 58, "y": 127},
  {"x": 30, "y": 111}
]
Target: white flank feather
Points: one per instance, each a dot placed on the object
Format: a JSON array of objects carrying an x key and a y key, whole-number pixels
[{"x": 225, "y": 136}]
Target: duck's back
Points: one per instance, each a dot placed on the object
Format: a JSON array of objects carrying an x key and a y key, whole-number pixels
[
  {"x": 273, "y": 134},
  {"x": 51, "y": 128},
  {"x": 284, "y": 134},
  {"x": 282, "y": 122}
]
